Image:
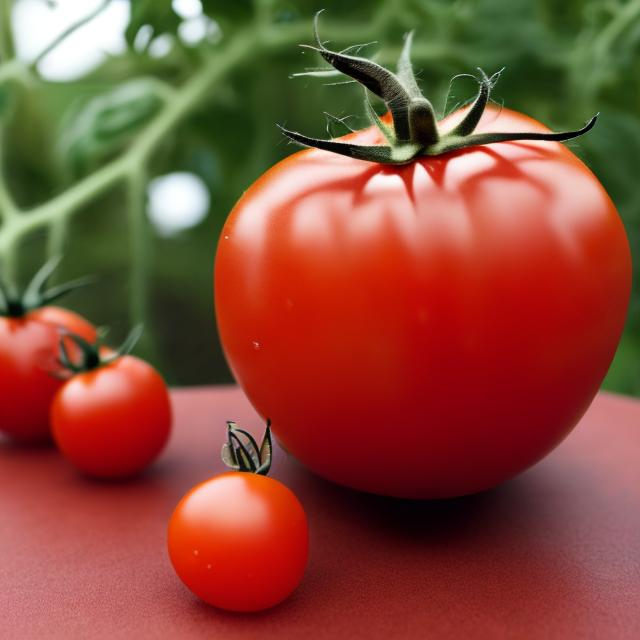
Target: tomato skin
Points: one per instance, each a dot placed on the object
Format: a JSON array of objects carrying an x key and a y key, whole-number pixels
[
  {"x": 239, "y": 541},
  {"x": 426, "y": 330},
  {"x": 65, "y": 319},
  {"x": 28, "y": 356},
  {"x": 113, "y": 421}
]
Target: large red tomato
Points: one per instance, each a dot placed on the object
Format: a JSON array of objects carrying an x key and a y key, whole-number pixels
[{"x": 427, "y": 329}]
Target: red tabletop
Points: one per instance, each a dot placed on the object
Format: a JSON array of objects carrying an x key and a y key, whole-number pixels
[{"x": 554, "y": 553}]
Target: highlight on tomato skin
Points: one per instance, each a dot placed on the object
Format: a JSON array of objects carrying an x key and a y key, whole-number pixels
[
  {"x": 430, "y": 324},
  {"x": 112, "y": 418},
  {"x": 239, "y": 541}
]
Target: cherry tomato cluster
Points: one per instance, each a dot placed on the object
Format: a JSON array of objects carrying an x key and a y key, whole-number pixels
[
  {"x": 239, "y": 541},
  {"x": 107, "y": 411}
]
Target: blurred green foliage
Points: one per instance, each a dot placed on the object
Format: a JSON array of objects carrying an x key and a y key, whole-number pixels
[{"x": 78, "y": 155}]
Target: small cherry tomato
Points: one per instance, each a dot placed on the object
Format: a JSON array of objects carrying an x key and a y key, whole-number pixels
[
  {"x": 30, "y": 330},
  {"x": 239, "y": 541},
  {"x": 113, "y": 417}
]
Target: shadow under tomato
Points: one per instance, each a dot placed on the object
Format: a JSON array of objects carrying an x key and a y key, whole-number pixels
[
  {"x": 154, "y": 473},
  {"x": 510, "y": 536},
  {"x": 284, "y": 609},
  {"x": 9, "y": 445},
  {"x": 426, "y": 521}
]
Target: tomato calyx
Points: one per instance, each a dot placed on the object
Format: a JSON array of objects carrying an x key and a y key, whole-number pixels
[
  {"x": 37, "y": 294},
  {"x": 241, "y": 451},
  {"x": 91, "y": 355},
  {"x": 415, "y": 130}
]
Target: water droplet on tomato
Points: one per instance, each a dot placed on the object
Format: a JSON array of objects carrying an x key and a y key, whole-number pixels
[
  {"x": 256, "y": 345},
  {"x": 196, "y": 552}
]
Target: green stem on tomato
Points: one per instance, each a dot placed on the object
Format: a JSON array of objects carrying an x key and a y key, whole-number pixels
[{"x": 415, "y": 130}]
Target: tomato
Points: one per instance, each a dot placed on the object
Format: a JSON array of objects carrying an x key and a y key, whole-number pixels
[
  {"x": 426, "y": 329},
  {"x": 28, "y": 358},
  {"x": 114, "y": 419},
  {"x": 239, "y": 541},
  {"x": 65, "y": 319}
]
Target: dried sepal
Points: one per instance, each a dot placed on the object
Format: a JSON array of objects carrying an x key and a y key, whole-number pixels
[{"x": 241, "y": 451}]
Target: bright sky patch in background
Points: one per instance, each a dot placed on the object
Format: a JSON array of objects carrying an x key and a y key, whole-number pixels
[
  {"x": 176, "y": 201},
  {"x": 36, "y": 24}
]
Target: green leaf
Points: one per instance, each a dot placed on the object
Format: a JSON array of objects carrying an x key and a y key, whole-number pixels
[{"x": 107, "y": 122}]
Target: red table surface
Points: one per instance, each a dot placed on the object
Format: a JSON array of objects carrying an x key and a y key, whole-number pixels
[{"x": 554, "y": 553}]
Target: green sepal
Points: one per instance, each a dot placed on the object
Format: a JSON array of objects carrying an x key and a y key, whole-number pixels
[
  {"x": 415, "y": 130},
  {"x": 374, "y": 77},
  {"x": 90, "y": 357},
  {"x": 89, "y": 354},
  {"x": 405, "y": 69},
  {"x": 36, "y": 294},
  {"x": 454, "y": 143},
  {"x": 333, "y": 123},
  {"x": 35, "y": 288},
  {"x": 385, "y": 129},
  {"x": 471, "y": 119},
  {"x": 374, "y": 153}
]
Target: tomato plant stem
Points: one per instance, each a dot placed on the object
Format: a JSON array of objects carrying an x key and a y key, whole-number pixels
[{"x": 137, "y": 246}]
